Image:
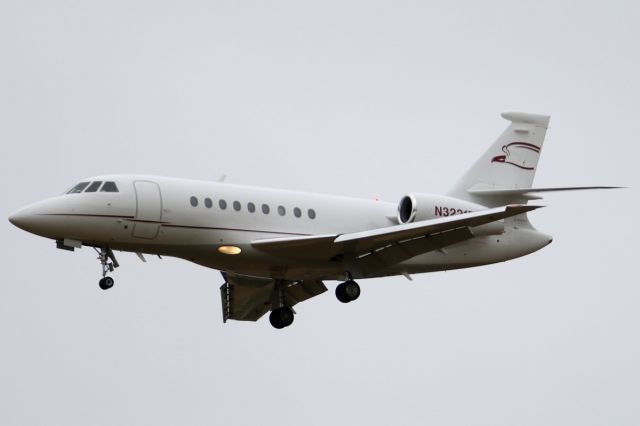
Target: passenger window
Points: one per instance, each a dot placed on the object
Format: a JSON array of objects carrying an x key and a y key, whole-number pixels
[
  {"x": 251, "y": 207},
  {"x": 109, "y": 187},
  {"x": 265, "y": 209},
  {"x": 94, "y": 186},
  {"x": 297, "y": 212},
  {"x": 281, "y": 210},
  {"x": 208, "y": 203},
  {"x": 194, "y": 201},
  {"x": 236, "y": 206},
  {"x": 312, "y": 214},
  {"x": 78, "y": 188},
  {"x": 222, "y": 204}
]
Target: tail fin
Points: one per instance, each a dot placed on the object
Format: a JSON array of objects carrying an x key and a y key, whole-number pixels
[{"x": 510, "y": 163}]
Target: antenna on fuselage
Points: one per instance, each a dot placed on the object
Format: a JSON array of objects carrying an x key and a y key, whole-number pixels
[{"x": 222, "y": 178}]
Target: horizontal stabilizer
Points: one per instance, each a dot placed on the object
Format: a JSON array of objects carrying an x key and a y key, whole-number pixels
[{"x": 530, "y": 193}]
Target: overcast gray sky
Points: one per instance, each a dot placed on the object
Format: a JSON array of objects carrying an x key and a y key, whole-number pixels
[{"x": 363, "y": 98}]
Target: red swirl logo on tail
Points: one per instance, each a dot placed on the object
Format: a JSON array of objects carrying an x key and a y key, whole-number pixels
[{"x": 513, "y": 152}]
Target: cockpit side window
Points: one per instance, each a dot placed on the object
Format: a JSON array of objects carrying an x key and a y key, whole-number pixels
[
  {"x": 94, "y": 186},
  {"x": 109, "y": 187},
  {"x": 78, "y": 188}
]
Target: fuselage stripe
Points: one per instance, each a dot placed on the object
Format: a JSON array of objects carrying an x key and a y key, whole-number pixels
[{"x": 172, "y": 225}]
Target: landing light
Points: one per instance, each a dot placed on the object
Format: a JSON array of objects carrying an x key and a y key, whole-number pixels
[{"x": 229, "y": 250}]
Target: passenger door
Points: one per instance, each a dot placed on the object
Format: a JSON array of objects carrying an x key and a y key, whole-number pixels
[{"x": 148, "y": 209}]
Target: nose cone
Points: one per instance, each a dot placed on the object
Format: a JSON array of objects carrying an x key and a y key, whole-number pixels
[
  {"x": 21, "y": 219},
  {"x": 34, "y": 218}
]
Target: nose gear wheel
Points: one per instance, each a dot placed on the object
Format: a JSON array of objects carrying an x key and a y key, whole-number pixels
[
  {"x": 109, "y": 263},
  {"x": 106, "y": 283}
]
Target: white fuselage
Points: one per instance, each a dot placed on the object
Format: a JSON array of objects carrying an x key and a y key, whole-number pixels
[{"x": 186, "y": 219}]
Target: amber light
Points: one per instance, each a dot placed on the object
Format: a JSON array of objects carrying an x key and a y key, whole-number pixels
[{"x": 229, "y": 250}]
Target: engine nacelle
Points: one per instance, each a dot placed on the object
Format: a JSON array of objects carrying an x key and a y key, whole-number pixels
[{"x": 417, "y": 207}]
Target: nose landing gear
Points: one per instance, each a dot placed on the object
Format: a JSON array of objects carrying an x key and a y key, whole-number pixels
[
  {"x": 106, "y": 283},
  {"x": 109, "y": 263}
]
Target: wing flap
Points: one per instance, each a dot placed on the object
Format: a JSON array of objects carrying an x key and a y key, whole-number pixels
[
  {"x": 300, "y": 291},
  {"x": 395, "y": 253},
  {"x": 246, "y": 298}
]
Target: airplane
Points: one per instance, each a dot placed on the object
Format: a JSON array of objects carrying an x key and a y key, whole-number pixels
[{"x": 275, "y": 248}]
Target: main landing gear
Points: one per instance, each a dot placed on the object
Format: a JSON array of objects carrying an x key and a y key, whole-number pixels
[
  {"x": 109, "y": 263},
  {"x": 282, "y": 315},
  {"x": 348, "y": 291}
]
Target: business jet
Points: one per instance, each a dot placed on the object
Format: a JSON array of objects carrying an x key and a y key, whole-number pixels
[{"x": 275, "y": 248}]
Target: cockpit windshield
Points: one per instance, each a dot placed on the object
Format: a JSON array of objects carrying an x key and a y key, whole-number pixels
[
  {"x": 108, "y": 186},
  {"x": 94, "y": 186},
  {"x": 78, "y": 188}
]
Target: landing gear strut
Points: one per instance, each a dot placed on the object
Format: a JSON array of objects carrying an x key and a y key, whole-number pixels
[
  {"x": 348, "y": 291},
  {"x": 281, "y": 316},
  {"x": 109, "y": 263}
]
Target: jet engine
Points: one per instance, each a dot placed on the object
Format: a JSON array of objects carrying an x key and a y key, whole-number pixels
[{"x": 416, "y": 207}]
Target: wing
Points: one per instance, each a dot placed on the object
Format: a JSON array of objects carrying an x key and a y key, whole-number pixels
[
  {"x": 246, "y": 298},
  {"x": 389, "y": 245}
]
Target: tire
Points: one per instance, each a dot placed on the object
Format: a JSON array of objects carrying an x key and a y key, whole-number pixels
[
  {"x": 351, "y": 290},
  {"x": 281, "y": 317},
  {"x": 341, "y": 294},
  {"x": 106, "y": 283}
]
